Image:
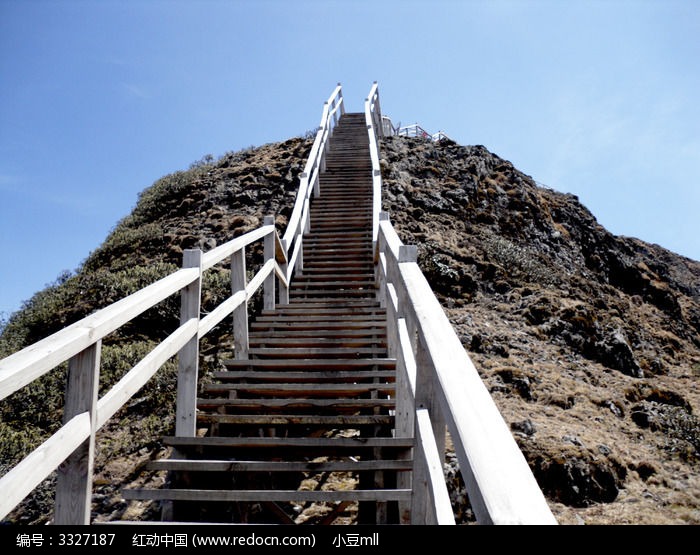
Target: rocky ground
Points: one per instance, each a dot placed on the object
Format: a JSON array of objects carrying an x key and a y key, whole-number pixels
[{"x": 589, "y": 343}]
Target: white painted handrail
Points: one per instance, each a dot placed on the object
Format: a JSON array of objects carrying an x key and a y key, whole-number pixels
[
  {"x": 33, "y": 469},
  {"x": 69, "y": 344},
  {"x": 500, "y": 485},
  {"x": 25, "y": 366},
  {"x": 333, "y": 108},
  {"x": 373, "y": 120},
  {"x": 437, "y": 383}
]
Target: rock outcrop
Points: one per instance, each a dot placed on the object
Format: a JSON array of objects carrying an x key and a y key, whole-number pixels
[{"x": 588, "y": 342}]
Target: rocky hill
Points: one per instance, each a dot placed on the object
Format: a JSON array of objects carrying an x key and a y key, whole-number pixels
[{"x": 589, "y": 343}]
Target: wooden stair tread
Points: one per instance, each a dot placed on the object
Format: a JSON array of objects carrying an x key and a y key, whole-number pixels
[
  {"x": 309, "y": 352},
  {"x": 215, "y": 465},
  {"x": 266, "y": 495},
  {"x": 290, "y": 442},
  {"x": 368, "y": 332},
  {"x": 323, "y": 364},
  {"x": 298, "y": 342},
  {"x": 320, "y": 324},
  {"x": 294, "y": 419},
  {"x": 288, "y": 388},
  {"x": 296, "y": 403},
  {"x": 313, "y": 376}
]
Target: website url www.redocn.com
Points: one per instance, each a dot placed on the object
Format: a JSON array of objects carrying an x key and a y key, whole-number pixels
[{"x": 253, "y": 540}]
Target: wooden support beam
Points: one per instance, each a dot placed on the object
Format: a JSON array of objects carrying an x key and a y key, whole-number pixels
[
  {"x": 74, "y": 479},
  {"x": 430, "y": 502},
  {"x": 188, "y": 358},
  {"x": 269, "y": 253},
  {"x": 240, "y": 313}
]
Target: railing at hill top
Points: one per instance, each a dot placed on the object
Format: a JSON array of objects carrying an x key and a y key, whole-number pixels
[
  {"x": 439, "y": 387},
  {"x": 437, "y": 383},
  {"x": 415, "y": 130}
]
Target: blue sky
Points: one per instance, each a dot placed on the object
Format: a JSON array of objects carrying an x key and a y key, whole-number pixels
[{"x": 98, "y": 99}]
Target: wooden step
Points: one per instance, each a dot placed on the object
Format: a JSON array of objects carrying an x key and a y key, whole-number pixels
[
  {"x": 327, "y": 364},
  {"x": 318, "y": 352},
  {"x": 335, "y": 251},
  {"x": 285, "y": 389},
  {"x": 336, "y": 443},
  {"x": 297, "y": 420},
  {"x": 315, "y": 496},
  {"x": 351, "y": 307},
  {"x": 295, "y": 404},
  {"x": 359, "y": 307},
  {"x": 336, "y": 240},
  {"x": 289, "y": 317},
  {"x": 369, "y": 332},
  {"x": 298, "y": 342},
  {"x": 318, "y": 325},
  {"x": 317, "y": 377},
  {"x": 204, "y": 465},
  {"x": 301, "y": 295},
  {"x": 340, "y": 285}
]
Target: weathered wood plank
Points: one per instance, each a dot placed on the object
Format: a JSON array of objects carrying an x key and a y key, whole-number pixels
[
  {"x": 307, "y": 352},
  {"x": 74, "y": 479},
  {"x": 188, "y": 357},
  {"x": 265, "y": 495},
  {"x": 220, "y": 312},
  {"x": 240, "y": 314},
  {"x": 30, "y": 363},
  {"x": 330, "y": 334},
  {"x": 35, "y": 467},
  {"x": 314, "y": 390},
  {"x": 295, "y": 403},
  {"x": 269, "y": 299},
  {"x": 367, "y": 319},
  {"x": 222, "y": 252},
  {"x": 137, "y": 377},
  {"x": 312, "y": 376},
  {"x": 291, "y": 442},
  {"x": 296, "y": 261},
  {"x": 287, "y": 419},
  {"x": 330, "y": 364},
  {"x": 260, "y": 277},
  {"x": 200, "y": 465},
  {"x": 429, "y": 487}
]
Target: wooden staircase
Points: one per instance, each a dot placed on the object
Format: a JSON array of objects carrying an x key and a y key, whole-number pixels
[{"x": 302, "y": 430}]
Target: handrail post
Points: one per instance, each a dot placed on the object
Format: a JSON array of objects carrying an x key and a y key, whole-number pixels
[
  {"x": 269, "y": 253},
  {"x": 188, "y": 357},
  {"x": 340, "y": 97},
  {"x": 240, "y": 313},
  {"x": 284, "y": 287},
  {"x": 299, "y": 265},
  {"x": 317, "y": 178},
  {"x": 427, "y": 396},
  {"x": 74, "y": 479}
]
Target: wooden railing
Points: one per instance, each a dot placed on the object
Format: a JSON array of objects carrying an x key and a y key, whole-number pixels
[
  {"x": 439, "y": 389},
  {"x": 298, "y": 224},
  {"x": 71, "y": 449},
  {"x": 415, "y": 130},
  {"x": 437, "y": 385},
  {"x": 373, "y": 119}
]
